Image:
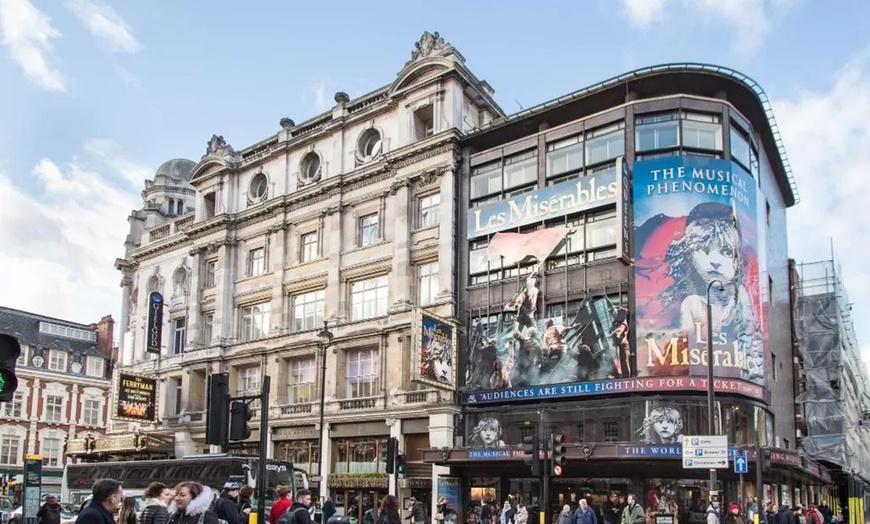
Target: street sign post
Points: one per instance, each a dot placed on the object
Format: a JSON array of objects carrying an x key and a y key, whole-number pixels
[
  {"x": 741, "y": 465},
  {"x": 705, "y": 452}
]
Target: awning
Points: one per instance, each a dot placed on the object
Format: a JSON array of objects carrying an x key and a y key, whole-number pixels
[{"x": 120, "y": 444}]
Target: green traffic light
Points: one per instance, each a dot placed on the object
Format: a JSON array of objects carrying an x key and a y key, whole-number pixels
[{"x": 2, "y": 383}]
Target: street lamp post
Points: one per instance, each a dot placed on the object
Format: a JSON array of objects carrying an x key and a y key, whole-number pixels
[
  {"x": 711, "y": 392},
  {"x": 325, "y": 341}
]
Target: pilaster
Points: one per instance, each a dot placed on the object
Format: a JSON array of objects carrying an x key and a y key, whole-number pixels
[{"x": 402, "y": 270}]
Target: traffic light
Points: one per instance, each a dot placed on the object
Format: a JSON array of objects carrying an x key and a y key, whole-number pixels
[
  {"x": 392, "y": 451},
  {"x": 765, "y": 460},
  {"x": 240, "y": 414},
  {"x": 560, "y": 452},
  {"x": 10, "y": 350},
  {"x": 217, "y": 422},
  {"x": 400, "y": 464},
  {"x": 533, "y": 458}
]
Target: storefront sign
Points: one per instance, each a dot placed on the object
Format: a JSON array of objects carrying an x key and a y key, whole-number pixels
[
  {"x": 154, "y": 324},
  {"x": 294, "y": 433},
  {"x": 32, "y": 488},
  {"x": 136, "y": 398},
  {"x": 544, "y": 204},
  {"x": 616, "y": 386},
  {"x": 450, "y": 500},
  {"x": 672, "y": 451},
  {"x": 492, "y": 454},
  {"x": 623, "y": 190},
  {"x": 781, "y": 456}
]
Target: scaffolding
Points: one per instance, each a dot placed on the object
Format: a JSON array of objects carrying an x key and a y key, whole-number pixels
[{"x": 834, "y": 390}]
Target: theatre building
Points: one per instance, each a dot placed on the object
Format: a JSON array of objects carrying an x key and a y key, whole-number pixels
[{"x": 592, "y": 229}]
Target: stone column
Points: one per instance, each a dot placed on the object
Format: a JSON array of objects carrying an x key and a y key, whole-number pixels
[
  {"x": 325, "y": 460},
  {"x": 76, "y": 409},
  {"x": 194, "y": 299},
  {"x": 402, "y": 270},
  {"x": 277, "y": 260},
  {"x": 446, "y": 230},
  {"x": 225, "y": 278},
  {"x": 126, "y": 354},
  {"x": 332, "y": 237}
]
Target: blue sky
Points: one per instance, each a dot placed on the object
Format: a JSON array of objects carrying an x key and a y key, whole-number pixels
[{"x": 95, "y": 95}]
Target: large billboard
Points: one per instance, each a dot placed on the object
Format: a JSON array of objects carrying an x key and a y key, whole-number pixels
[
  {"x": 435, "y": 343},
  {"x": 136, "y": 398},
  {"x": 696, "y": 232}
]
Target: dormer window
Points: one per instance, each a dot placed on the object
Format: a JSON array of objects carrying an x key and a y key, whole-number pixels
[
  {"x": 310, "y": 168},
  {"x": 369, "y": 147},
  {"x": 424, "y": 122}
]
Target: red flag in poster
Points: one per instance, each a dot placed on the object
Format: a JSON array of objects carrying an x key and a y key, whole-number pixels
[{"x": 514, "y": 248}]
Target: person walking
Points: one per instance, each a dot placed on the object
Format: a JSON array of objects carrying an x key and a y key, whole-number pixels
[
  {"x": 734, "y": 516},
  {"x": 246, "y": 494},
  {"x": 192, "y": 504},
  {"x": 106, "y": 496},
  {"x": 127, "y": 515},
  {"x": 389, "y": 513},
  {"x": 632, "y": 513},
  {"x": 328, "y": 510},
  {"x": 157, "y": 498},
  {"x": 281, "y": 505},
  {"x": 49, "y": 513},
  {"x": 226, "y": 506},
  {"x": 585, "y": 514},
  {"x": 417, "y": 515},
  {"x": 565, "y": 516},
  {"x": 300, "y": 511}
]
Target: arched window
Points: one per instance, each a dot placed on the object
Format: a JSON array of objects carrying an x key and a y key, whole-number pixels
[
  {"x": 370, "y": 146},
  {"x": 259, "y": 190},
  {"x": 310, "y": 168}
]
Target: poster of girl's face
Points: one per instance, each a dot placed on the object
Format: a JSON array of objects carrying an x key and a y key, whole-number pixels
[
  {"x": 696, "y": 230},
  {"x": 662, "y": 425},
  {"x": 486, "y": 433}
]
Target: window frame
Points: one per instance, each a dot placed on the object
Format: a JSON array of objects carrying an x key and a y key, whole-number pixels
[
  {"x": 318, "y": 301},
  {"x": 428, "y": 215},
  {"x": 309, "y": 250},
  {"x": 381, "y": 303},
  {"x": 364, "y": 230},
  {"x": 256, "y": 265}
]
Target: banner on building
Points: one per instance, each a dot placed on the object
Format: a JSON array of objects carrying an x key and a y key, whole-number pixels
[
  {"x": 435, "y": 349},
  {"x": 136, "y": 398},
  {"x": 449, "y": 505},
  {"x": 154, "y": 323},
  {"x": 623, "y": 210},
  {"x": 696, "y": 231}
]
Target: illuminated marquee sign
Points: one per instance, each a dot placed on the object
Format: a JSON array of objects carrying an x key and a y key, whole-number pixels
[{"x": 546, "y": 203}]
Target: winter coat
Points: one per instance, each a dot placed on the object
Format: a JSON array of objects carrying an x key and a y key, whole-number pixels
[
  {"x": 712, "y": 515},
  {"x": 303, "y": 516},
  {"x": 585, "y": 517},
  {"x": 633, "y": 515},
  {"x": 95, "y": 513},
  {"x": 784, "y": 516},
  {"x": 522, "y": 516},
  {"x": 198, "y": 510},
  {"x": 417, "y": 513},
  {"x": 565, "y": 518},
  {"x": 227, "y": 508},
  {"x": 154, "y": 512},
  {"x": 278, "y": 508},
  {"x": 49, "y": 513}
]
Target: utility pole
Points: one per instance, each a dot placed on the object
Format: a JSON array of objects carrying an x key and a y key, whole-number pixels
[{"x": 264, "y": 442}]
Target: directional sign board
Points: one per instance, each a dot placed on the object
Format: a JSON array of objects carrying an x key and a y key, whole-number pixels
[
  {"x": 741, "y": 464},
  {"x": 705, "y": 452}
]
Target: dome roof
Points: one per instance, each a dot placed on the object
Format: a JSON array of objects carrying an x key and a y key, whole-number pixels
[{"x": 175, "y": 169}]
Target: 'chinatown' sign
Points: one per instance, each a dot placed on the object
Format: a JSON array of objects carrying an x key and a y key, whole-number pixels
[
  {"x": 589, "y": 192},
  {"x": 136, "y": 398}
]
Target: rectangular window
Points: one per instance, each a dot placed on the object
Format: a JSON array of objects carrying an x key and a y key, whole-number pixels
[
  {"x": 178, "y": 335},
  {"x": 13, "y": 409},
  {"x": 53, "y": 411},
  {"x": 300, "y": 381},
  {"x": 256, "y": 261},
  {"x": 565, "y": 156},
  {"x": 429, "y": 209},
  {"x": 602, "y": 230},
  {"x": 605, "y": 143},
  {"x": 362, "y": 373},
  {"x": 521, "y": 170},
  {"x": 657, "y": 131},
  {"x": 369, "y": 230},
  {"x": 95, "y": 367},
  {"x": 308, "y": 246},
  {"x": 255, "y": 322},
  {"x": 51, "y": 452},
  {"x": 767, "y": 212},
  {"x": 740, "y": 149},
  {"x": 9, "y": 449},
  {"x": 176, "y": 395},
  {"x": 427, "y": 283},
  {"x": 424, "y": 122},
  {"x": 22, "y": 358},
  {"x": 368, "y": 298},
  {"x": 572, "y": 250},
  {"x": 308, "y": 310},
  {"x": 210, "y": 274},
  {"x": 57, "y": 360},
  {"x": 67, "y": 332},
  {"x": 91, "y": 412},
  {"x": 702, "y": 131},
  {"x": 207, "y": 328},
  {"x": 248, "y": 380},
  {"x": 486, "y": 180}
]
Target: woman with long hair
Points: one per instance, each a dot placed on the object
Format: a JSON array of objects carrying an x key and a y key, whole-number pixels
[
  {"x": 389, "y": 511},
  {"x": 157, "y": 497},
  {"x": 127, "y": 515}
]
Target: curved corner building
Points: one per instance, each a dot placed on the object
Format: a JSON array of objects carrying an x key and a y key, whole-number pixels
[{"x": 594, "y": 227}]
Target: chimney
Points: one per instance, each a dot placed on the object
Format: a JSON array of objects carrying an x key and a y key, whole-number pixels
[{"x": 105, "y": 336}]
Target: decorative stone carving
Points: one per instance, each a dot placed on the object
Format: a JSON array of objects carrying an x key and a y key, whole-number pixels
[
  {"x": 217, "y": 145},
  {"x": 332, "y": 209},
  {"x": 429, "y": 44},
  {"x": 429, "y": 178},
  {"x": 398, "y": 184},
  {"x": 341, "y": 97},
  {"x": 134, "y": 300},
  {"x": 181, "y": 280}
]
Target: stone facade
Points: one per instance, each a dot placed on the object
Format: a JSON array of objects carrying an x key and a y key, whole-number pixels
[{"x": 346, "y": 218}]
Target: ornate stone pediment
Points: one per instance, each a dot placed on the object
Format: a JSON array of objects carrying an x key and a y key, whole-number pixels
[{"x": 430, "y": 44}]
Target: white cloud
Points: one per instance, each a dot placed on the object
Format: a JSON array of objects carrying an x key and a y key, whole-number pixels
[
  {"x": 827, "y": 137},
  {"x": 60, "y": 241},
  {"x": 127, "y": 78},
  {"x": 28, "y": 33},
  {"x": 105, "y": 24},
  {"x": 748, "y": 19},
  {"x": 316, "y": 96}
]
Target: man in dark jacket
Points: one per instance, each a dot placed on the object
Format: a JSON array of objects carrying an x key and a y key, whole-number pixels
[
  {"x": 784, "y": 515},
  {"x": 418, "y": 515},
  {"x": 226, "y": 506},
  {"x": 49, "y": 513},
  {"x": 107, "y": 495},
  {"x": 299, "y": 512}
]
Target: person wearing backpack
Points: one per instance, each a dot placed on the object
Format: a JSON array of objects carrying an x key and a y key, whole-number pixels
[
  {"x": 389, "y": 511},
  {"x": 299, "y": 512}
]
